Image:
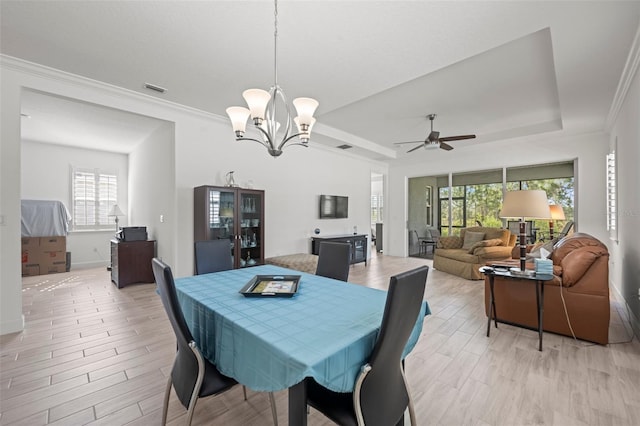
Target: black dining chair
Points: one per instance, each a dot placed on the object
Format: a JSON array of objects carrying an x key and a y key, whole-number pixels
[
  {"x": 381, "y": 394},
  {"x": 433, "y": 236},
  {"x": 334, "y": 259},
  {"x": 213, "y": 256},
  {"x": 192, "y": 376},
  {"x": 422, "y": 243}
]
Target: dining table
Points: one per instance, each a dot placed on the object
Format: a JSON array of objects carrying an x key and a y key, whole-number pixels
[{"x": 326, "y": 330}]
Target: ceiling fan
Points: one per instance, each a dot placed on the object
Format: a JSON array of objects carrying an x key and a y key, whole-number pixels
[{"x": 434, "y": 141}]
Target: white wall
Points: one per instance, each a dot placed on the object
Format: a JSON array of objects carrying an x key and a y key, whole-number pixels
[
  {"x": 590, "y": 150},
  {"x": 11, "y": 318},
  {"x": 45, "y": 175},
  {"x": 625, "y": 259},
  {"x": 152, "y": 191},
  {"x": 292, "y": 185}
]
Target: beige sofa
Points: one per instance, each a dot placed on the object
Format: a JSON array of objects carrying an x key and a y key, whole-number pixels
[{"x": 475, "y": 247}]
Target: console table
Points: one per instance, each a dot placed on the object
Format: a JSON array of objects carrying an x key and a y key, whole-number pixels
[
  {"x": 539, "y": 280},
  {"x": 358, "y": 245}
]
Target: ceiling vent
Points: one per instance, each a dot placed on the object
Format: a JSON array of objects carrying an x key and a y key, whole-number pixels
[
  {"x": 154, "y": 87},
  {"x": 345, "y": 146}
]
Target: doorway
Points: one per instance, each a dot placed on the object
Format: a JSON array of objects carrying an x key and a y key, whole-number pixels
[{"x": 377, "y": 212}]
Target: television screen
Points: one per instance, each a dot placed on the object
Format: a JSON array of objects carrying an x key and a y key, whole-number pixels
[
  {"x": 334, "y": 207},
  {"x": 342, "y": 207}
]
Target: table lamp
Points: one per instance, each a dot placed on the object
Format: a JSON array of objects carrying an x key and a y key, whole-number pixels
[
  {"x": 115, "y": 211},
  {"x": 531, "y": 204},
  {"x": 556, "y": 214}
]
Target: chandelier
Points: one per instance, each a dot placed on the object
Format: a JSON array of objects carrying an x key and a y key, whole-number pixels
[{"x": 264, "y": 111}]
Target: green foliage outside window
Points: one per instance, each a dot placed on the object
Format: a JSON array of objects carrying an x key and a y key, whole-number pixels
[{"x": 473, "y": 204}]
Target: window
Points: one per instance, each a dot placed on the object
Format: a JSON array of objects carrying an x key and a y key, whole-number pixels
[
  {"x": 94, "y": 192},
  {"x": 428, "y": 204},
  {"x": 559, "y": 191},
  {"x": 612, "y": 210},
  {"x": 214, "y": 209},
  {"x": 476, "y": 197},
  {"x": 376, "y": 208}
]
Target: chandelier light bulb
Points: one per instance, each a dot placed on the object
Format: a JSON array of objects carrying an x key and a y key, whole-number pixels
[
  {"x": 238, "y": 116},
  {"x": 305, "y": 135},
  {"x": 305, "y": 108},
  {"x": 257, "y": 100}
]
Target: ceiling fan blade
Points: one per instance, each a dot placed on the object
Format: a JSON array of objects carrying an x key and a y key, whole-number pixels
[
  {"x": 445, "y": 146},
  {"x": 433, "y": 136},
  {"x": 413, "y": 149},
  {"x": 402, "y": 143},
  {"x": 456, "y": 138}
]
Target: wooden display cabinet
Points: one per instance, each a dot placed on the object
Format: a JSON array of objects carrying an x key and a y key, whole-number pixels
[{"x": 231, "y": 213}]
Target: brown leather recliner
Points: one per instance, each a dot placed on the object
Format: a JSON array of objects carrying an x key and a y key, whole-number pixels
[{"x": 581, "y": 278}]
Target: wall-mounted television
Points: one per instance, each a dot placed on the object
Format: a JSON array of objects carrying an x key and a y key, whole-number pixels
[{"x": 334, "y": 207}]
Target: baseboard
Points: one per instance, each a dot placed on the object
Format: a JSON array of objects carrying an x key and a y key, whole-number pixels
[
  {"x": 89, "y": 265},
  {"x": 634, "y": 322}
]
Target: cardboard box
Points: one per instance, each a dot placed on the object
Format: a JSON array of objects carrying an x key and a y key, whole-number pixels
[
  {"x": 30, "y": 243},
  {"x": 44, "y": 255},
  {"x": 53, "y": 244},
  {"x": 31, "y": 256},
  {"x": 29, "y": 270},
  {"x": 52, "y": 269},
  {"x": 51, "y": 257},
  {"x": 52, "y": 262},
  {"x": 30, "y": 250}
]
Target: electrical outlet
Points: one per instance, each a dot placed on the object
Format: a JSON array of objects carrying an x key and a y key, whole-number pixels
[{"x": 161, "y": 218}]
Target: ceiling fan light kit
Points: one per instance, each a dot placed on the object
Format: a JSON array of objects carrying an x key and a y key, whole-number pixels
[
  {"x": 429, "y": 145},
  {"x": 434, "y": 141}
]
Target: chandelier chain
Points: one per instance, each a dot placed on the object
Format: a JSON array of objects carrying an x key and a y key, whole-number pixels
[{"x": 275, "y": 42}]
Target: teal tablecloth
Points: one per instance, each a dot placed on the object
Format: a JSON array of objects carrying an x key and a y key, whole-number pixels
[{"x": 326, "y": 331}]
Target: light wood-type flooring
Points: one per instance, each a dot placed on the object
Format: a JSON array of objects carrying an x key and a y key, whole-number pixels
[{"x": 93, "y": 354}]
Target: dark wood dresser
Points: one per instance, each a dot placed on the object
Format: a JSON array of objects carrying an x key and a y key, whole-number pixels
[{"x": 131, "y": 262}]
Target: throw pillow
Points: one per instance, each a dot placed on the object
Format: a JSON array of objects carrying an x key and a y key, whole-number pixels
[
  {"x": 470, "y": 238},
  {"x": 452, "y": 242},
  {"x": 575, "y": 264},
  {"x": 486, "y": 243}
]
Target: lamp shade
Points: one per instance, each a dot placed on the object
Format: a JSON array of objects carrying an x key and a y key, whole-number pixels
[
  {"x": 257, "y": 100},
  {"x": 305, "y": 108},
  {"x": 238, "y": 116},
  {"x": 115, "y": 211},
  {"x": 531, "y": 204},
  {"x": 556, "y": 212}
]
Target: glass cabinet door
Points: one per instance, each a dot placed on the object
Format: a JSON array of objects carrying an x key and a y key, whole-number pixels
[
  {"x": 359, "y": 249},
  {"x": 221, "y": 216},
  {"x": 251, "y": 228}
]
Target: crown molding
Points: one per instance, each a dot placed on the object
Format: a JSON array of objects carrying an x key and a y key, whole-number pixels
[
  {"x": 628, "y": 73},
  {"x": 53, "y": 74}
]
